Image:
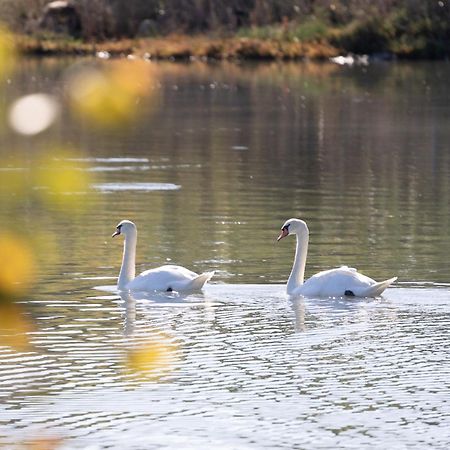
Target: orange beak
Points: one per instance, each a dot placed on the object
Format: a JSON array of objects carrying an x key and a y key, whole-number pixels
[{"x": 283, "y": 234}]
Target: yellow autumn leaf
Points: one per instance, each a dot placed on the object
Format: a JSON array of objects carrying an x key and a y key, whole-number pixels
[
  {"x": 7, "y": 53},
  {"x": 61, "y": 179},
  {"x": 108, "y": 95},
  {"x": 18, "y": 268},
  {"x": 152, "y": 358},
  {"x": 14, "y": 327}
]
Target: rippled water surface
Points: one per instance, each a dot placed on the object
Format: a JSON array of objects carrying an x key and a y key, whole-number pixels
[{"x": 209, "y": 172}]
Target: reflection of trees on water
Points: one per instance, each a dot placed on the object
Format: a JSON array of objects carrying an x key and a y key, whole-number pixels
[{"x": 359, "y": 152}]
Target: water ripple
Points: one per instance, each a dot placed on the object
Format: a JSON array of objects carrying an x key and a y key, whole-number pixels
[{"x": 255, "y": 367}]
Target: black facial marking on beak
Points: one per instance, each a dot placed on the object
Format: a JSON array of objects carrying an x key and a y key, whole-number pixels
[
  {"x": 117, "y": 232},
  {"x": 284, "y": 232}
]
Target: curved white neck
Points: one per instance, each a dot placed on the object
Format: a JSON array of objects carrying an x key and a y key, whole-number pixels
[
  {"x": 128, "y": 271},
  {"x": 297, "y": 275}
]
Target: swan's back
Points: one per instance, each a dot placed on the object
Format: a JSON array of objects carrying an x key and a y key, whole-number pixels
[
  {"x": 342, "y": 281},
  {"x": 167, "y": 278}
]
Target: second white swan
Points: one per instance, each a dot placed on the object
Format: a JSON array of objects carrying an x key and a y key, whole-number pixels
[
  {"x": 343, "y": 281},
  {"x": 165, "y": 278}
]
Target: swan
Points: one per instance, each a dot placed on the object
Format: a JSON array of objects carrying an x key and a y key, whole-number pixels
[
  {"x": 165, "y": 278},
  {"x": 343, "y": 281}
]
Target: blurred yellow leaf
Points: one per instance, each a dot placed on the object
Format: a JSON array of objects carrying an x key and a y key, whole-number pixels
[
  {"x": 108, "y": 96},
  {"x": 7, "y": 53},
  {"x": 151, "y": 359},
  {"x": 18, "y": 268},
  {"x": 60, "y": 178},
  {"x": 14, "y": 327},
  {"x": 14, "y": 180},
  {"x": 96, "y": 97},
  {"x": 135, "y": 77}
]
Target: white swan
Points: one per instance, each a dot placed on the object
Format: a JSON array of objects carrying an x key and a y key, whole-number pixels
[
  {"x": 165, "y": 278},
  {"x": 329, "y": 283}
]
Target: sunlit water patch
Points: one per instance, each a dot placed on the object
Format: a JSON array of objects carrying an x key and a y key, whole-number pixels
[
  {"x": 111, "y": 160},
  {"x": 118, "y": 168},
  {"x": 144, "y": 187},
  {"x": 256, "y": 369}
]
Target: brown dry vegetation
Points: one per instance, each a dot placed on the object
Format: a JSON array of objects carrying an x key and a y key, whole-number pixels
[
  {"x": 181, "y": 48},
  {"x": 242, "y": 28}
]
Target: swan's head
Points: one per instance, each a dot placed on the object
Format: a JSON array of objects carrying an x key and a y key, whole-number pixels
[
  {"x": 292, "y": 226},
  {"x": 125, "y": 227}
]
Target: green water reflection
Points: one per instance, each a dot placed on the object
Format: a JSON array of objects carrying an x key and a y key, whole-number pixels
[{"x": 360, "y": 153}]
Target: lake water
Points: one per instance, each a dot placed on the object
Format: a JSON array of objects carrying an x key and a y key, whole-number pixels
[{"x": 216, "y": 160}]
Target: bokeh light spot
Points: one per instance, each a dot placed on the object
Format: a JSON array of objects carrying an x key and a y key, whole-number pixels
[{"x": 33, "y": 113}]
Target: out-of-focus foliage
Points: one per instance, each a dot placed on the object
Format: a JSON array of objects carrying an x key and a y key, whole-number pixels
[
  {"x": 61, "y": 177},
  {"x": 151, "y": 358},
  {"x": 31, "y": 183},
  {"x": 13, "y": 181},
  {"x": 43, "y": 184},
  {"x": 18, "y": 268},
  {"x": 38, "y": 178},
  {"x": 15, "y": 326},
  {"x": 7, "y": 53},
  {"x": 56, "y": 178},
  {"x": 108, "y": 95}
]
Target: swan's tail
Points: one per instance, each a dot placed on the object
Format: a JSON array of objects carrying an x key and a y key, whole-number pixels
[
  {"x": 377, "y": 288},
  {"x": 199, "y": 281}
]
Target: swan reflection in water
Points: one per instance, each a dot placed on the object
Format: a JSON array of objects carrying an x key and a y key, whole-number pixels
[
  {"x": 298, "y": 305},
  {"x": 129, "y": 302},
  {"x": 158, "y": 299},
  {"x": 307, "y": 312},
  {"x": 317, "y": 312},
  {"x": 151, "y": 352}
]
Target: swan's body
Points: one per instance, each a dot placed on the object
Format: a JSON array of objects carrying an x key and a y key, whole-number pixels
[
  {"x": 329, "y": 283},
  {"x": 164, "y": 278}
]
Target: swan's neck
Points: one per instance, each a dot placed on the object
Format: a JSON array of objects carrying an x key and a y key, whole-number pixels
[
  {"x": 297, "y": 275},
  {"x": 127, "y": 271}
]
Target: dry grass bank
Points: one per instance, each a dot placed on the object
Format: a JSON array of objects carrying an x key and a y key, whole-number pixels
[{"x": 181, "y": 48}]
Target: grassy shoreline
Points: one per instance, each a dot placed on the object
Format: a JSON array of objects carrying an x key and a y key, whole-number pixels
[
  {"x": 177, "y": 47},
  {"x": 185, "y": 48}
]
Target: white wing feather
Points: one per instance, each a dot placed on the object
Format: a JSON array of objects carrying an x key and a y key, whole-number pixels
[{"x": 342, "y": 281}]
